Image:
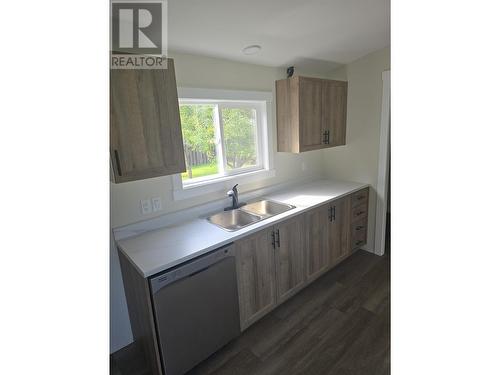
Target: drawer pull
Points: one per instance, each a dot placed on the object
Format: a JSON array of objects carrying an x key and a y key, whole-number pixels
[
  {"x": 278, "y": 242},
  {"x": 360, "y": 213},
  {"x": 359, "y": 243},
  {"x": 359, "y": 227},
  {"x": 361, "y": 197},
  {"x": 273, "y": 243}
]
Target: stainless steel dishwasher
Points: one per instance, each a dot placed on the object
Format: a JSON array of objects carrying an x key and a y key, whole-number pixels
[{"x": 196, "y": 309}]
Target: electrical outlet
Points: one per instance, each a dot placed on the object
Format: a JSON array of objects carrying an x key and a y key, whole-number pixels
[
  {"x": 156, "y": 204},
  {"x": 146, "y": 206}
]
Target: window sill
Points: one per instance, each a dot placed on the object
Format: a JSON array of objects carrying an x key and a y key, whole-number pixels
[{"x": 181, "y": 192}]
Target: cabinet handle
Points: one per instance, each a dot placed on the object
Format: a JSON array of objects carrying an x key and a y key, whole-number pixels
[
  {"x": 325, "y": 137},
  {"x": 274, "y": 241},
  {"x": 359, "y": 243},
  {"x": 118, "y": 166},
  {"x": 359, "y": 227},
  {"x": 278, "y": 242},
  {"x": 332, "y": 213},
  {"x": 360, "y": 213},
  {"x": 360, "y": 197},
  {"x": 328, "y": 136}
]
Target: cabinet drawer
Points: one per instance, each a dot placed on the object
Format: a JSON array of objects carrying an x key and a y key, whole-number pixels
[
  {"x": 359, "y": 212},
  {"x": 358, "y": 226},
  {"x": 358, "y": 231},
  {"x": 360, "y": 197}
]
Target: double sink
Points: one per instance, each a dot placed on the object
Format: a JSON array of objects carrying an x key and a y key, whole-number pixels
[{"x": 249, "y": 214}]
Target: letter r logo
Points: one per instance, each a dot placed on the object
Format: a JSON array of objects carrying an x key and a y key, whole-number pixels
[{"x": 137, "y": 28}]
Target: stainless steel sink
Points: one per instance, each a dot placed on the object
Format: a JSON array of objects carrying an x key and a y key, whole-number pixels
[
  {"x": 248, "y": 214},
  {"x": 266, "y": 208},
  {"x": 234, "y": 219}
]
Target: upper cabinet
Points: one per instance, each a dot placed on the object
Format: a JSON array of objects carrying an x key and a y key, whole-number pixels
[
  {"x": 334, "y": 111},
  {"x": 310, "y": 113},
  {"x": 146, "y": 136}
]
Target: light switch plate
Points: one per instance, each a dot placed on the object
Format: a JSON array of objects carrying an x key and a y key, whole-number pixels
[
  {"x": 156, "y": 204},
  {"x": 146, "y": 206}
]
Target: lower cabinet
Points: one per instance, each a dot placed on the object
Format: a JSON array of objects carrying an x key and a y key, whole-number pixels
[
  {"x": 255, "y": 270},
  {"x": 339, "y": 230},
  {"x": 359, "y": 218},
  {"x": 290, "y": 257},
  {"x": 275, "y": 263},
  {"x": 317, "y": 248},
  {"x": 270, "y": 268},
  {"x": 328, "y": 236}
]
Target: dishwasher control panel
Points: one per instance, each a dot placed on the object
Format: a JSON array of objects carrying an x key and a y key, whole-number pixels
[{"x": 190, "y": 267}]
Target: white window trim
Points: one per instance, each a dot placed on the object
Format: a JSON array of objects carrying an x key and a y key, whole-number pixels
[{"x": 265, "y": 170}]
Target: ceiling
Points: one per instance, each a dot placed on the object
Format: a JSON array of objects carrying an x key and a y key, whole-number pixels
[{"x": 318, "y": 34}]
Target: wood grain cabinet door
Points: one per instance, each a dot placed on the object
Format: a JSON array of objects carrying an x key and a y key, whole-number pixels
[
  {"x": 256, "y": 273},
  {"x": 146, "y": 136},
  {"x": 317, "y": 223},
  {"x": 334, "y": 111},
  {"x": 339, "y": 231},
  {"x": 310, "y": 117},
  {"x": 290, "y": 257}
]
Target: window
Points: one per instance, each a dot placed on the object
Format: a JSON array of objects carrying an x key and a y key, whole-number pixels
[
  {"x": 220, "y": 139},
  {"x": 225, "y": 136}
]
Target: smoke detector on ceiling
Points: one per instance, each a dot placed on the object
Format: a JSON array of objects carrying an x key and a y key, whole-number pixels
[{"x": 251, "y": 50}]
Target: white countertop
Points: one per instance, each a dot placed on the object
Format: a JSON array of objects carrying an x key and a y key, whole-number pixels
[{"x": 161, "y": 249}]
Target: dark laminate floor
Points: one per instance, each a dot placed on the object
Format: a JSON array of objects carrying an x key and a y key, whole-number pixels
[{"x": 337, "y": 325}]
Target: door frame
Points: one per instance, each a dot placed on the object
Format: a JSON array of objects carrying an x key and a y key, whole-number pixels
[{"x": 383, "y": 165}]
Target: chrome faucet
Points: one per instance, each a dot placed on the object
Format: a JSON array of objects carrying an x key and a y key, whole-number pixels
[{"x": 233, "y": 193}]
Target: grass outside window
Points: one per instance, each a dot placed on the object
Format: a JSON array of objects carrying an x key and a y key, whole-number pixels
[{"x": 201, "y": 171}]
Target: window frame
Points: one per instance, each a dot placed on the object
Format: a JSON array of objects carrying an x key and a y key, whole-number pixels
[{"x": 261, "y": 102}]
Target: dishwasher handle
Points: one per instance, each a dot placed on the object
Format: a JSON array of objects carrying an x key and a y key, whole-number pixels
[{"x": 190, "y": 268}]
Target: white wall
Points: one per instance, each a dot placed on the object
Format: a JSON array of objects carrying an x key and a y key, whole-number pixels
[
  {"x": 203, "y": 72},
  {"x": 358, "y": 159}
]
